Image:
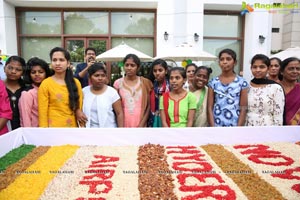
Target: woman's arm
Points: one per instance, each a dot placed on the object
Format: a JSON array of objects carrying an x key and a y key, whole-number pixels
[
  {"x": 117, "y": 106},
  {"x": 25, "y": 109},
  {"x": 191, "y": 115},
  {"x": 163, "y": 118},
  {"x": 243, "y": 107},
  {"x": 162, "y": 112},
  {"x": 278, "y": 106},
  {"x": 145, "y": 117},
  {"x": 80, "y": 117},
  {"x": 147, "y": 87},
  {"x": 43, "y": 105},
  {"x": 3, "y": 122},
  {"x": 5, "y": 109},
  {"x": 210, "y": 106}
]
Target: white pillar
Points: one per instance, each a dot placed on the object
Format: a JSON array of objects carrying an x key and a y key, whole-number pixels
[{"x": 8, "y": 32}]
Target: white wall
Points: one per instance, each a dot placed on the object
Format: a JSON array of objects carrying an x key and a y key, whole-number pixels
[
  {"x": 277, "y": 22},
  {"x": 291, "y": 27},
  {"x": 181, "y": 19},
  {"x": 256, "y": 23},
  {"x": 2, "y": 28},
  {"x": 8, "y": 33}
]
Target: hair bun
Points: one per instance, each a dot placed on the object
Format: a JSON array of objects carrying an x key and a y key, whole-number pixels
[{"x": 209, "y": 70}]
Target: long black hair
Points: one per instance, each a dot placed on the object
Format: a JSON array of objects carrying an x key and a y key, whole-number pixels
[{"x": 69, "y": 80}]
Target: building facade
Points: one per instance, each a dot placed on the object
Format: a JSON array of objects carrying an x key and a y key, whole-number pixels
[{"x": 32, "y": 28}]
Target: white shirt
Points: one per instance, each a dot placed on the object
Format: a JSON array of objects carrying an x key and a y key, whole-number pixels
[
  {"x": 265, "y": 105},
  {"x": 104, "y": 102}
]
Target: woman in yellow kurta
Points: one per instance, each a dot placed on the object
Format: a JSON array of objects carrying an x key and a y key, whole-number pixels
[{"x": 60, "y": 96}]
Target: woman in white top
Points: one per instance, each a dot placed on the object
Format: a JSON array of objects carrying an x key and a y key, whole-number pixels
[
  {"x": 266, "y": 98},
  {"x": 190, "y": 71},
  {"x": 101, "y": 103}
]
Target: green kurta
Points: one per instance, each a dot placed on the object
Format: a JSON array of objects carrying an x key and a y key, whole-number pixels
[{"x": 178, "y": 110}]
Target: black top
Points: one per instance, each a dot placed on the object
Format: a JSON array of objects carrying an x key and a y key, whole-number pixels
[{"x": 14, "y": 102}]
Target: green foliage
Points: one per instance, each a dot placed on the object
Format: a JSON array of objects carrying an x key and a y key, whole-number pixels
[
  {"x": 143, "y": 26},
  {"x": 78, "y": 24},
  {"x": 99, "y": 45},
  {"x": 276, "y": 51},
  {"x": 35, "y": 28}
]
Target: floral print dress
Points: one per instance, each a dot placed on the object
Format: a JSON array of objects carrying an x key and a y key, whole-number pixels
[
  {"x": 265, "y": 105},
  {"x": 227, "y": 100}
]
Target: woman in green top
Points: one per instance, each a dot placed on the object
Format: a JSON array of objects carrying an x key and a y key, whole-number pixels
[
  {"x": 177, "y": 108},
  {"x": 200, "y": 80}
]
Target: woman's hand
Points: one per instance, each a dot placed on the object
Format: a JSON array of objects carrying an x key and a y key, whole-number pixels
[{"x": 81, "y": 117}]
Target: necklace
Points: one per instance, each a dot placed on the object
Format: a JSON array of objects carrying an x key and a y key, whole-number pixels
[
  {"x": 14, "y": 99},
  {"x": 132, "y": 89}
]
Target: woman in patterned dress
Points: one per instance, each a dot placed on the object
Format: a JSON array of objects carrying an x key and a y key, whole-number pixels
[
  {"x": 159, "y": 77},
  {"x": 265, "y": 97},
  {"x": 60, "y": 95},
  {"x": 134, "y": 91},
  {"x": 227, "y": 94},
  {"x": 177, "y": 108}
]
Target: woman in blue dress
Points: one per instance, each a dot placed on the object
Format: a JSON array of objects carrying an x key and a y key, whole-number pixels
[{"x": 227, "y": 94}]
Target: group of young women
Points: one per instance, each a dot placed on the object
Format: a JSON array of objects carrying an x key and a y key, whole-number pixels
[{"x": 168, "y": 97}]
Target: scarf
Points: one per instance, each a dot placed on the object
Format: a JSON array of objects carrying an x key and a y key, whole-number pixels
[
  {"x": 263, "y": 81},
  {"x": 156, "y": 93}
]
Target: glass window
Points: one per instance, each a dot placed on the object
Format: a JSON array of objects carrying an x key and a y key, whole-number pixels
[
  {"x": 39, "y": 47},
  {"x": 86, "y": 22},
  {"x": 223, "y": 25},
  {"x": 40, "y": 22},
  {"x": 215, "y": 46},
  {"x": 144, "y": 45},
  {"x": 98, "y": 44},
  {"x": 125, "y": 23},
  {"x": 76, "y": 49}
]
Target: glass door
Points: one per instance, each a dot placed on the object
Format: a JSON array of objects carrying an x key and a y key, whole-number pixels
[
  {"x": 77, "y": 46},
  {"x": 100, "y": 45}
]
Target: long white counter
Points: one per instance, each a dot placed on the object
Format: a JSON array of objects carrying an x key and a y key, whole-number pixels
[{"x": 140, "y": 136}]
